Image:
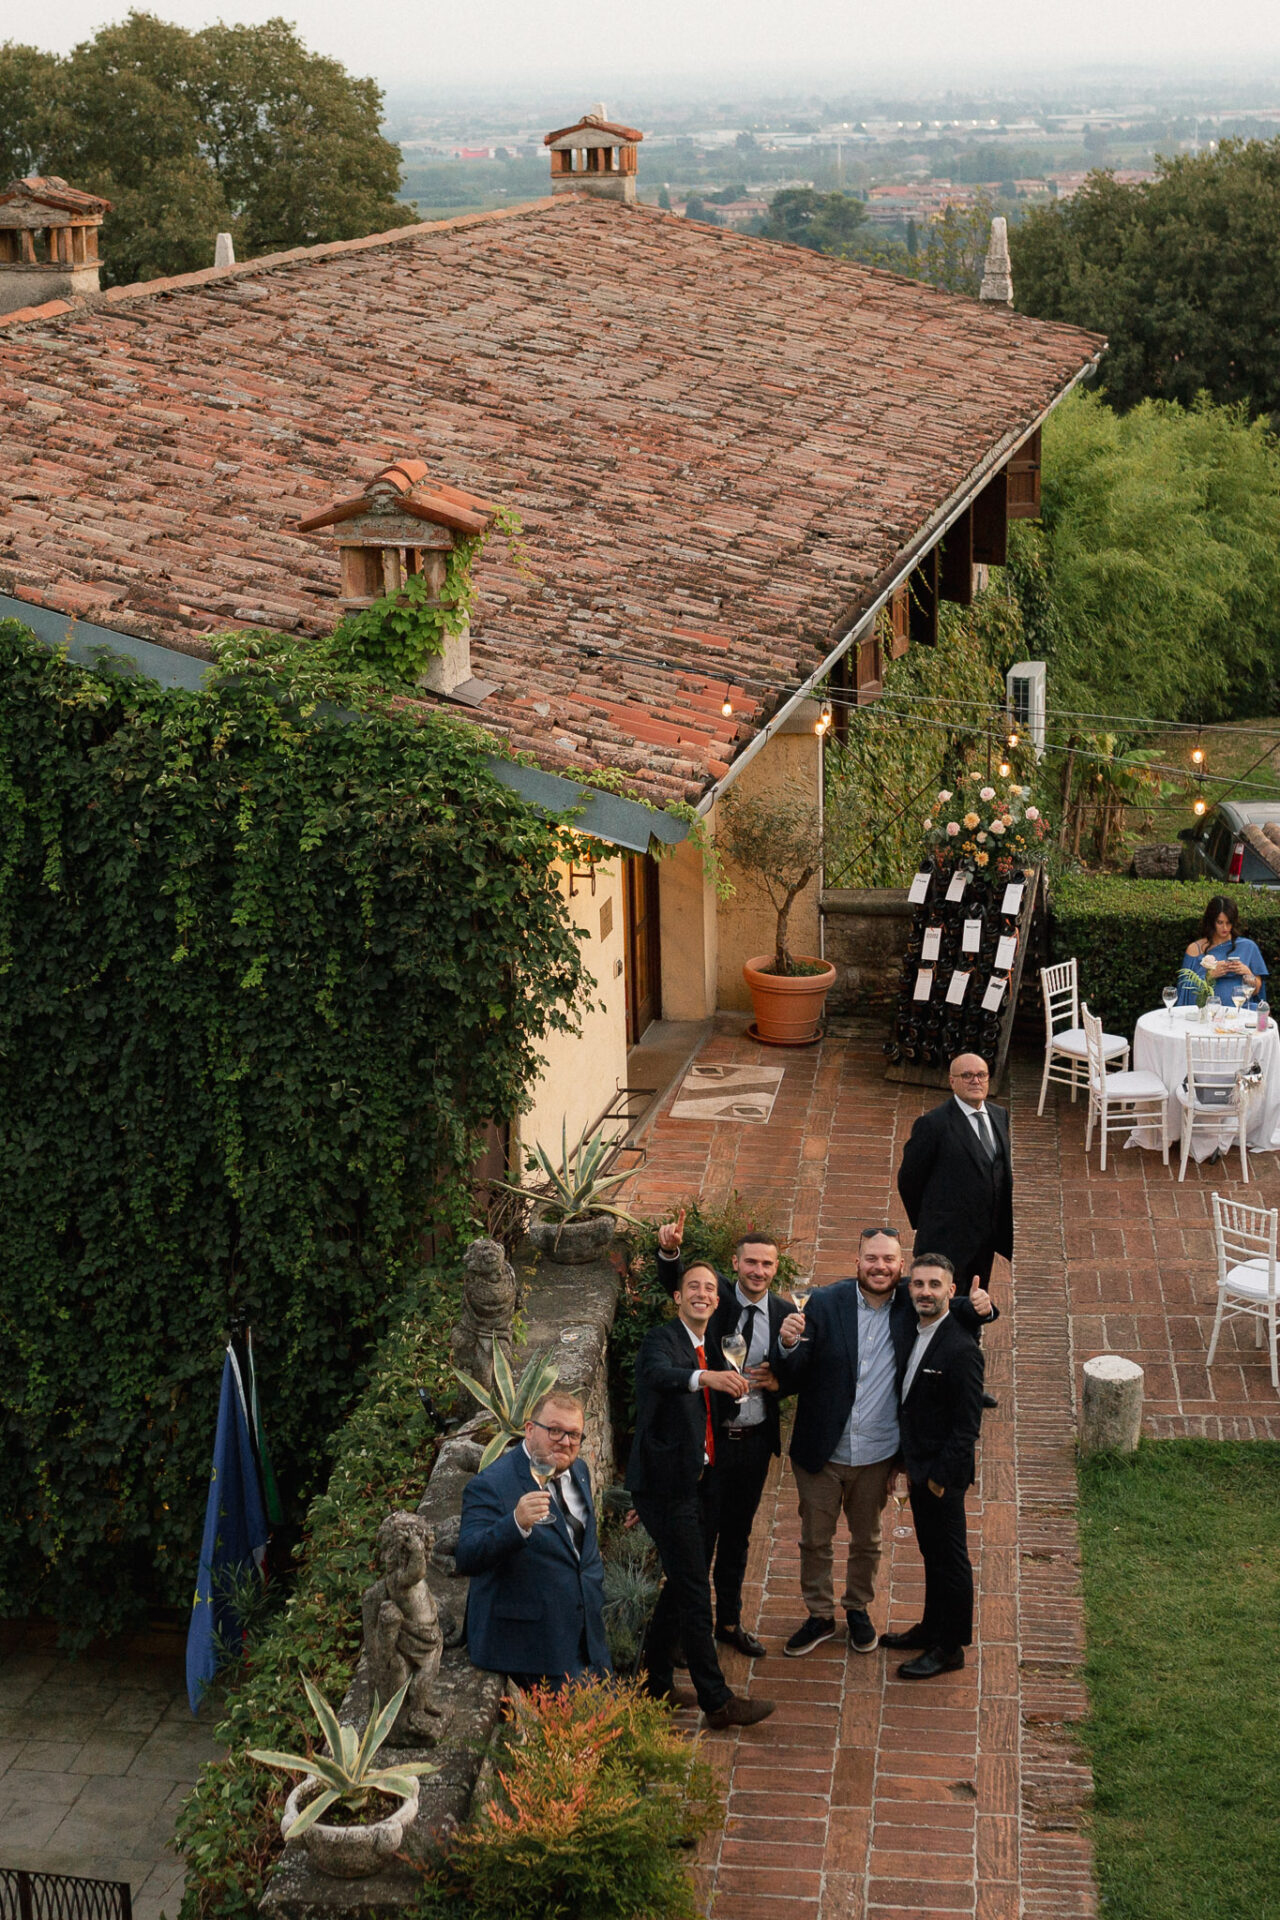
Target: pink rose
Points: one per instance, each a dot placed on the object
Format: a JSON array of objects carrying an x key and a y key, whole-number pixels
[
  {"x": 927, "y": 825},
  {"x": 1033, "y": 813},
  {"x": 953, "y": 826},
  {"x": 997, "y": 826},
  {"x": 987, "y": 793}
]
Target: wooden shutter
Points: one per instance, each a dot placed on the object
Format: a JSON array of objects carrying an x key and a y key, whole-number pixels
[
  {"x": 1023, "y": 470},
  {"x": 923, "y": 616},
  {"x": 991, "y": 522},
  {"x": 956, "y": 566}
]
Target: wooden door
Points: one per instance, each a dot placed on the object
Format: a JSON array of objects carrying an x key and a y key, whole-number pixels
[{"x": 643, "y": 951}]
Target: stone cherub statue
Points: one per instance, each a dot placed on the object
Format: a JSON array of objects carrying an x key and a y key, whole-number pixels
[
  {"x": 403, "y": 1637},
  {"x": 490, "y": 1295}
]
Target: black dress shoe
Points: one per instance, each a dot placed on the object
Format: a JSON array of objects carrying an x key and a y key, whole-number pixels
[
  {"x": 745, "y": 1642},
  {"x": 935, "y": 1660},
  {"x": 989, "y": 1400},
  {"x": 910, "y": 1637}
]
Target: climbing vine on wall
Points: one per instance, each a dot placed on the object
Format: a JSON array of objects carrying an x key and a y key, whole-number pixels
[{"x": 268, "y": 971}]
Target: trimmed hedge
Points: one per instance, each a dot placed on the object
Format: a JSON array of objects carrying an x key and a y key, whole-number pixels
[
  {"x": 1129, "y": 936},
  {"x": 229, "y": 1826}
]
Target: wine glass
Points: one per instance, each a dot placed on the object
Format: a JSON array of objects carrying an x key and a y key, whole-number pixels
[
  {"x": 1239, "y": 994},
  {"x": 542, "y": 1465},
  {"x": 1169, "y": 996},
  {"x": 734, "y": 1349},
  {"x": 800, "y": 1292}
]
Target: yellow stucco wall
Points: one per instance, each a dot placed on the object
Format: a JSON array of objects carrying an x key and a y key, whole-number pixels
[
  {"x": 582, "y": 1072},
  {"x": 747, "y": 921},
  {"x": 689, "y": 931}
]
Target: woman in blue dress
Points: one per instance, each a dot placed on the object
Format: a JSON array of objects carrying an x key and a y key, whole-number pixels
[{"x": 1223, "y": 955}]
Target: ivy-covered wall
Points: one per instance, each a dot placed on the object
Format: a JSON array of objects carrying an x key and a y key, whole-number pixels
[{"x": 265, "y": 975}]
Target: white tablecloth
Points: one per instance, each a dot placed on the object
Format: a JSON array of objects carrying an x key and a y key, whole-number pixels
[{"x": 1160, "y": 1046}]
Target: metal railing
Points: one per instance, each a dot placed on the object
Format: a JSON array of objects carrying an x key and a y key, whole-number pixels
[{"x": 61, "y": 1896}]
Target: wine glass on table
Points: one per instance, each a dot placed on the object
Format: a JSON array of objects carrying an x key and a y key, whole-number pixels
[
  {"x": 1169, "y": 996},
  {"x": 734, "y": 1349},
  {"x": 542, "y": 1465},
  {"x": 1239, "y": 994}
]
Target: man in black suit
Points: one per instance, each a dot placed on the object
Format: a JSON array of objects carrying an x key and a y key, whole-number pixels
[
  {"x": 846, "y": 1356},
  {"x": 752, "y": 1437},
  {"x": 956, "y": 1177},
  {"x": 683, "y": 1393},
  {"x": 940, "y": 1417}
]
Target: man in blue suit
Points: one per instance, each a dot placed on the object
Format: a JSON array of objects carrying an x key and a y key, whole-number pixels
[{"x": 535, "y": 1608}]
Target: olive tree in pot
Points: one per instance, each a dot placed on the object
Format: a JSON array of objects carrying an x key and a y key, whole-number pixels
[
  {"x": 776, "y": 841},
  {"x": 574, "y": 1221}
]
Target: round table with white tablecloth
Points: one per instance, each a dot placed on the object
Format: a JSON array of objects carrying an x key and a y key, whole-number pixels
[{"x": 1160, "y": 1047}]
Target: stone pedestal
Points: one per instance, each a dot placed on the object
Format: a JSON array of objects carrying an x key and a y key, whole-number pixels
[{"x": 1111, "y": 1420}]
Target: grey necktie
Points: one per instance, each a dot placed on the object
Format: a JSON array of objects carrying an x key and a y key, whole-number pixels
[
  {"x": 985, "y": 1134},
  {"x": 577, "y": 1532}
]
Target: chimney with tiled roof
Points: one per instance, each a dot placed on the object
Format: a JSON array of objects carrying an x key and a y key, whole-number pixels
[
  {"x": 596, "y": 155},
  {"x": 406, "y": 524},
  {"x": 48, "y": 242}
]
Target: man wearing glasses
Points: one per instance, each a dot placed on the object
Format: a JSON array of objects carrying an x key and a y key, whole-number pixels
[
  {"x": 956, "y": 1179},
  {"x": 535, "y": 1607}
]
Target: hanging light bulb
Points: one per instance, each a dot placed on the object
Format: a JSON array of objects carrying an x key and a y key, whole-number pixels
[
  {"x": 1013, "y": 741},
  {"x": 1197, "y": 756},
  {"x": 1200, "y": 806},
  {"x": 823, "y": 720},
  {"x": 726, "y": 705},
  {"x": 1004, "y": 769}
]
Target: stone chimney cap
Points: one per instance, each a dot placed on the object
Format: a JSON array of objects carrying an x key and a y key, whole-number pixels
[
  {"x": 593, "y": 131},
  {"x": 406, "y": 488},
  {"x": 50, "y": 192}
]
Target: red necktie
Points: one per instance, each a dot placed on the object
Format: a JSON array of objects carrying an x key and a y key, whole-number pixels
[{"x": 709, "y": 1441}]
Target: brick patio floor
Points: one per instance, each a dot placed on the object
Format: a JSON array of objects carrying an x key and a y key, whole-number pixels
[{"x": 866, "y": 1797}]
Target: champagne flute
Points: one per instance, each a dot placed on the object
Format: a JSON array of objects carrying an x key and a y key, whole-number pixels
[
  {"x": 1239, "y": 994},
  {"x": 542, "y": 1466},
  {"x": 1169, "y": 996},
  {"x": 800, "y": 1292},
  {"x": 734, "y": 1349}
]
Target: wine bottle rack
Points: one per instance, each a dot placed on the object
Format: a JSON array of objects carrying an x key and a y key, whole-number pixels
[{"x": 951, "y": 939}]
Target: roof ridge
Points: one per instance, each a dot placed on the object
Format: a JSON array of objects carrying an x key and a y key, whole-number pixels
[{"x": 269, "y": 262}]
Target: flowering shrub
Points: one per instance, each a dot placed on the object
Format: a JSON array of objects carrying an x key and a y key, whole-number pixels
[{"x": 984, "y": 822}]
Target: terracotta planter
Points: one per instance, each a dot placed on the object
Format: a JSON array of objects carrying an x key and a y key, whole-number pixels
[
  {"x": 788, "y": 1007},
  {"x": 348, "y": 1853},
  {"x": 576, "y": 1242}
]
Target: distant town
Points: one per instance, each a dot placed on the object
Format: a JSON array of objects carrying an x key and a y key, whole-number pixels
[{"x": 909, "y": 161}]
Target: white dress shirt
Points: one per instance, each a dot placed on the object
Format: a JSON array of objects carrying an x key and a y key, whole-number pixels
[
  {"x": 924, "y": 1335},
  {"x": 980, "y": 1125}
]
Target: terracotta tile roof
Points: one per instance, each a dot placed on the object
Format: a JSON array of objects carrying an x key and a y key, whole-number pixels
[
  {"x": 719, "y": 446},
  {"x": 47, "y": 190}
]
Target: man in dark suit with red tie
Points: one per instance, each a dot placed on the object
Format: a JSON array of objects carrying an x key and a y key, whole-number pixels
[{"x": 683, "y": 1393}]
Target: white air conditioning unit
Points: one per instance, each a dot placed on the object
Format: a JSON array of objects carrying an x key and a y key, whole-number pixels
[{"x": 1025, "y": 684}]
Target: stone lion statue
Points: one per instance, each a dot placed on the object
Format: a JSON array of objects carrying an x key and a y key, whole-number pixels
[{"x": 490, "y": 1295}]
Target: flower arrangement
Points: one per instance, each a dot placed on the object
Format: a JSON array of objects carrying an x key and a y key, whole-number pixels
[{"x": 984, "y": 822}]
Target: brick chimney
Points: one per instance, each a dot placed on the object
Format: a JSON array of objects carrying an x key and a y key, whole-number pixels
[
  {"x": 405, "y": 523},
  {"x": 48, "y": 242},
  {"x": 595, "y": 156}
]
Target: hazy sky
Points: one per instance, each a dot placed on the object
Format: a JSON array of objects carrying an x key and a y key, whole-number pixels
[{"x": 834, "y": 42}]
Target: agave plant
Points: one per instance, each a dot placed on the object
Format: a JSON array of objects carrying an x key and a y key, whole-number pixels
[
  {"x": 508, "y": 1405},
  {"x": 576, "y": 1187},
  {"x": 346, "y": 1775}
]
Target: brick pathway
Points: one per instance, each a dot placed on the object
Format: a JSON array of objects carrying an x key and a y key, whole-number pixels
[{"x": 866, "y": 1797}]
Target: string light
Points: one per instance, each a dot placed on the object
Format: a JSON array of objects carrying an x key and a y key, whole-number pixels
[
  {"x": 1197, "y": 756},
  {"x": 823, "y": 720},
  {"x": 1013, "y": 741},
  {"x": 726, "y": 705},
  {"x": 1004, "y": 769},
  {"x": 1201, "y": 806}
]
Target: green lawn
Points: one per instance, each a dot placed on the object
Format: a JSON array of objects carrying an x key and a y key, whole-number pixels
[{"x": 1181, "y": 1547}]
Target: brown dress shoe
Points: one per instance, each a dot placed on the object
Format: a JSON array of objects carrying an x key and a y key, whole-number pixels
[
  {"x": 737, "y": 1712},
  {"x": 675, "y": 1696}
]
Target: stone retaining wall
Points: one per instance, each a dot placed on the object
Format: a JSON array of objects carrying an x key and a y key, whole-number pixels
[
  {"x": 864, "y": 931},
  {"x": 569, "y": 1310}
]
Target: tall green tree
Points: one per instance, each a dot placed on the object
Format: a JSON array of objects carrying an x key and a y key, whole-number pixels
[
  {"x": 26, "y": 85},
  {"x": 825, "y": 222},
  {"x": 231, "y": 128},
  {"x": 1182, "y": 274},
  {"x": 1152, "y": 584}
]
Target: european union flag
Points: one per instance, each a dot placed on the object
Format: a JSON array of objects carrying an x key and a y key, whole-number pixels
[{"x": 235, "y": 1534}]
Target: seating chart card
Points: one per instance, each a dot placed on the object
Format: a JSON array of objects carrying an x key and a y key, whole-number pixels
[
  {"x": 924, "y": 984},
  {"x": 1012, "y": 902},
  {"x": 971, "y": 939},
  {"x": 931, "y": 942},
  {"x": 919, "y": 888},
  {"x": 1005, "y": 951},
  {"x": 959, "y": 881},
  {"x": 994, "y": 994},
  {"x": 956, "y": 989}
]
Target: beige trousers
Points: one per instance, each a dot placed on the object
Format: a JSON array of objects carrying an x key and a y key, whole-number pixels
[{"x": 861, "y": 1493}]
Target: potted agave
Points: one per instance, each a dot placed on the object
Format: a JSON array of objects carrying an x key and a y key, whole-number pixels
[
  {"x": 776, "y": 839},
  {"x": 509, "y": 1406},
  {"x": 369, "y": 1809},
  {"x": 573, "y": 1222}
]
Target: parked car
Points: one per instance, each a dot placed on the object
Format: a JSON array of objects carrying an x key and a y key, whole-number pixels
[{"x": 1238, "y": 840}]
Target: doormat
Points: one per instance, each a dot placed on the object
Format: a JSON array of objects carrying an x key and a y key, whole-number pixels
[{"x": 727, "y": 1093}]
